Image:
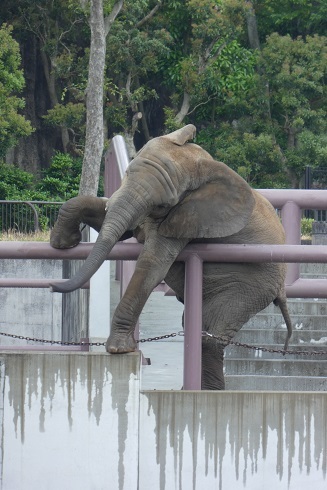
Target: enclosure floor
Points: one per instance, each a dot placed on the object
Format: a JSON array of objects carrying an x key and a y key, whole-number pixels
[{"x": 161, "y": 315}]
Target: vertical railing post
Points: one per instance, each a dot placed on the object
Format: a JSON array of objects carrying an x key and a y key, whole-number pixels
[
  {"x": 291, "y": 218},
  {"x": 193, "y": 323}
]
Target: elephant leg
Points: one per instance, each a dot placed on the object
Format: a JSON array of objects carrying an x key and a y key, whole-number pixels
[
  {"x": 151, "y": 268},
  {"x": 212, "y": 352},
  {"x": 212, "y": 365}
]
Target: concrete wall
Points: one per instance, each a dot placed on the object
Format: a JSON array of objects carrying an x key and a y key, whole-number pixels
[
  {"x": 80, "y": 421},
  {"x": 68, "y": 421},
  {"x": 233, "y": 440},
  {"x": 35, "y": 312},
  {"x": 26, "y": 311}
]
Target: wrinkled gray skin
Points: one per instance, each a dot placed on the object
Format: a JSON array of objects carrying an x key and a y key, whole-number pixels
[{"x": 174, "y": 193}]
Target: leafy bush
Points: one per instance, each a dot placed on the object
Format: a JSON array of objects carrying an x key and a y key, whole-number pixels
[
  {"x": 59, "y": 182},
  {"x": 12, "y": 124},
  {"x": 306, "y": 226},
  {"x": 61, "y": 179},
  {"x": 14, "y": 182}
]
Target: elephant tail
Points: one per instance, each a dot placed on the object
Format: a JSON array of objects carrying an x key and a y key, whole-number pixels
[{"x": 281, "y": 301}]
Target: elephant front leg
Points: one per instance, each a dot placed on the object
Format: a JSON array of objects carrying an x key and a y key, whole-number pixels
[{"x": 151, "y": 268}]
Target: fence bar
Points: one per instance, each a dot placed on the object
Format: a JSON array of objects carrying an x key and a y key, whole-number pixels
[
  {"x": 291, "y": 219},
  {"x": 307, "y": 288},
  {"x": 42, "y": 347},
  {"x": 31, "y": 283},
  {"x": 306, "y": 199},
  {"x": 210, "y": 252},
  {"x": 193, "y": 323}
]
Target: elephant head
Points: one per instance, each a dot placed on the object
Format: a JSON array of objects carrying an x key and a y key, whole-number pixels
[{"x": 175, "y": 183}]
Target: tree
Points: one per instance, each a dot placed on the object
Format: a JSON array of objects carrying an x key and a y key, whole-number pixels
[
  {"x": 54, "y": 24},
  {"x": 135, "y": 47},
  {"x": 206, "y": 61},
  {"x": 279, "y": 128},
  {"x": 297, "y": 72},
  {"x": 12, "y": 124},
  {"x": 293, "y": 17},
  {"x": 100, "y": 26}
]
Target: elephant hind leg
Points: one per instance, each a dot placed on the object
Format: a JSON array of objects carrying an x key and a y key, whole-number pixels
[
  {"x": 281, "y": 301},
  {"x": 212, "y": 365}
]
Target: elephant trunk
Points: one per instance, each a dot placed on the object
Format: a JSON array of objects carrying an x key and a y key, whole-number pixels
[{"x": 124, "y": 211}]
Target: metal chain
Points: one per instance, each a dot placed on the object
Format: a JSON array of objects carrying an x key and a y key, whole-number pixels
[
  {"x": 226, "y": 342},
  {"x": 221, "y": 340},
  {"x": 82, "y": 343}
]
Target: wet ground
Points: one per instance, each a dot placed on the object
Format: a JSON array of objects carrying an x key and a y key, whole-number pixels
[{"x": 162, "y": 315}]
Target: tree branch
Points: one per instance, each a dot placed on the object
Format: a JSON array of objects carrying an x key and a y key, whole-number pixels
[
  {"x": 109, "y": 20},
  {"x": 202, "y": 103},
  {"x": 149, "y": 15}
]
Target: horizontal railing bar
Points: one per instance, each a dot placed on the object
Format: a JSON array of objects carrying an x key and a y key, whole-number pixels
[
  {"x": 207, "y": 252},
  {"x": 307, "y": 288},
  {"x": 7, "y": 201},
  {"x": 51, "y": 348},
  {"x": 8, "y": 282},
  {"x": 304, "y": 198},
  {"x": 301, "y": 288}
]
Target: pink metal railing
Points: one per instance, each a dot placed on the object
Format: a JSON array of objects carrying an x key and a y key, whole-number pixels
[{"x": 193, "y": 256}]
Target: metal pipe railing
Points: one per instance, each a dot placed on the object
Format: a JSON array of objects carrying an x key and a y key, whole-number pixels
[{"x": 193, "y": 256}]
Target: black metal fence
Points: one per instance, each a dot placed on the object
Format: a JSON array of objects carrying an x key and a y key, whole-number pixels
[
  {"x": 316, "y": 178},
  {"x": 27, "y": 216}
]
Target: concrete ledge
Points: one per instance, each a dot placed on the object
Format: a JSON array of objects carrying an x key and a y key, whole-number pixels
[{"x": 80, "y": 421}]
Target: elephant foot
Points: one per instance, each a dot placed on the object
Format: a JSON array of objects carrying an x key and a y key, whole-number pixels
[{"x": 120, "y": 343}]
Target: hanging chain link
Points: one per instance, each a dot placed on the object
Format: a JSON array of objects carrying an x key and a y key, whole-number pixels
[
  {"x": 221, "y": 340},
  {"x": 226, "y": 342},
  {"x": 82, "y": 343}
]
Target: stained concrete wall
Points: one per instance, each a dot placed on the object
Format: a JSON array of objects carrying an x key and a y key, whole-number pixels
[
  {"x": 238, "y": 440},
  {"x": 69, "y": 421},
  {"x": 80, "y": 421}
]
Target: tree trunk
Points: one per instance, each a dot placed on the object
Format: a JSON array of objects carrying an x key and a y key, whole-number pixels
[
  {"x": 252, "y": 27},
  {"x": 34, "y": 152},
  {"x": 94, "y": 103},
  {"x": 184, "y": 109},
  {"x": 100, "y": 27},
  {"x": 51, "y": 82}
]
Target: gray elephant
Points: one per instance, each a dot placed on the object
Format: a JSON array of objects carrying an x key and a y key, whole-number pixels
[{"x": 175, "y": 193}]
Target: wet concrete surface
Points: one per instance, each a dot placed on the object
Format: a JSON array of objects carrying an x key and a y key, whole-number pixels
[{"x": 162, "y": 315}]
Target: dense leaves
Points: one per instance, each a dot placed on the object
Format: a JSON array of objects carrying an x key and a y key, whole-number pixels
[
  {"x": 12, "y": 124},
  {"x": 169, "y": 63}
]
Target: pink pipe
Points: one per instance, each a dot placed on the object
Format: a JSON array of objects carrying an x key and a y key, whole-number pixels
[
  {"x": 193, "y": 323},
  {"x": 208, "y": 252}
]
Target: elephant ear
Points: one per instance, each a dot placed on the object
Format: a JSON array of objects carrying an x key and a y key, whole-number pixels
[
  {"x": 216, "y": 209},
  {"x": 181, "y": 136}
]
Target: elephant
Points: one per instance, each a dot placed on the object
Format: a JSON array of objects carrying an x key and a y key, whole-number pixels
[{"x": 175, "y": 193}]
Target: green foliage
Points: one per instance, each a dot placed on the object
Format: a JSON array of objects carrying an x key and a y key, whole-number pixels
[
  {"x": 70, "y": 116},
  {"x": 297, "y": 72},
  {"x": 294, "y": 17},
  {"x": 61, "y": 180},
  {"x": 12, "y": 124},
  {"x": 233, "y": 70},
  {"x": 263, "y": 113},
  {"x": 253, "y": 156},
  {"x": 170, "y": 120},
  {"x": 14, "y": 182},
  {"x": 306, "y": 227}
]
